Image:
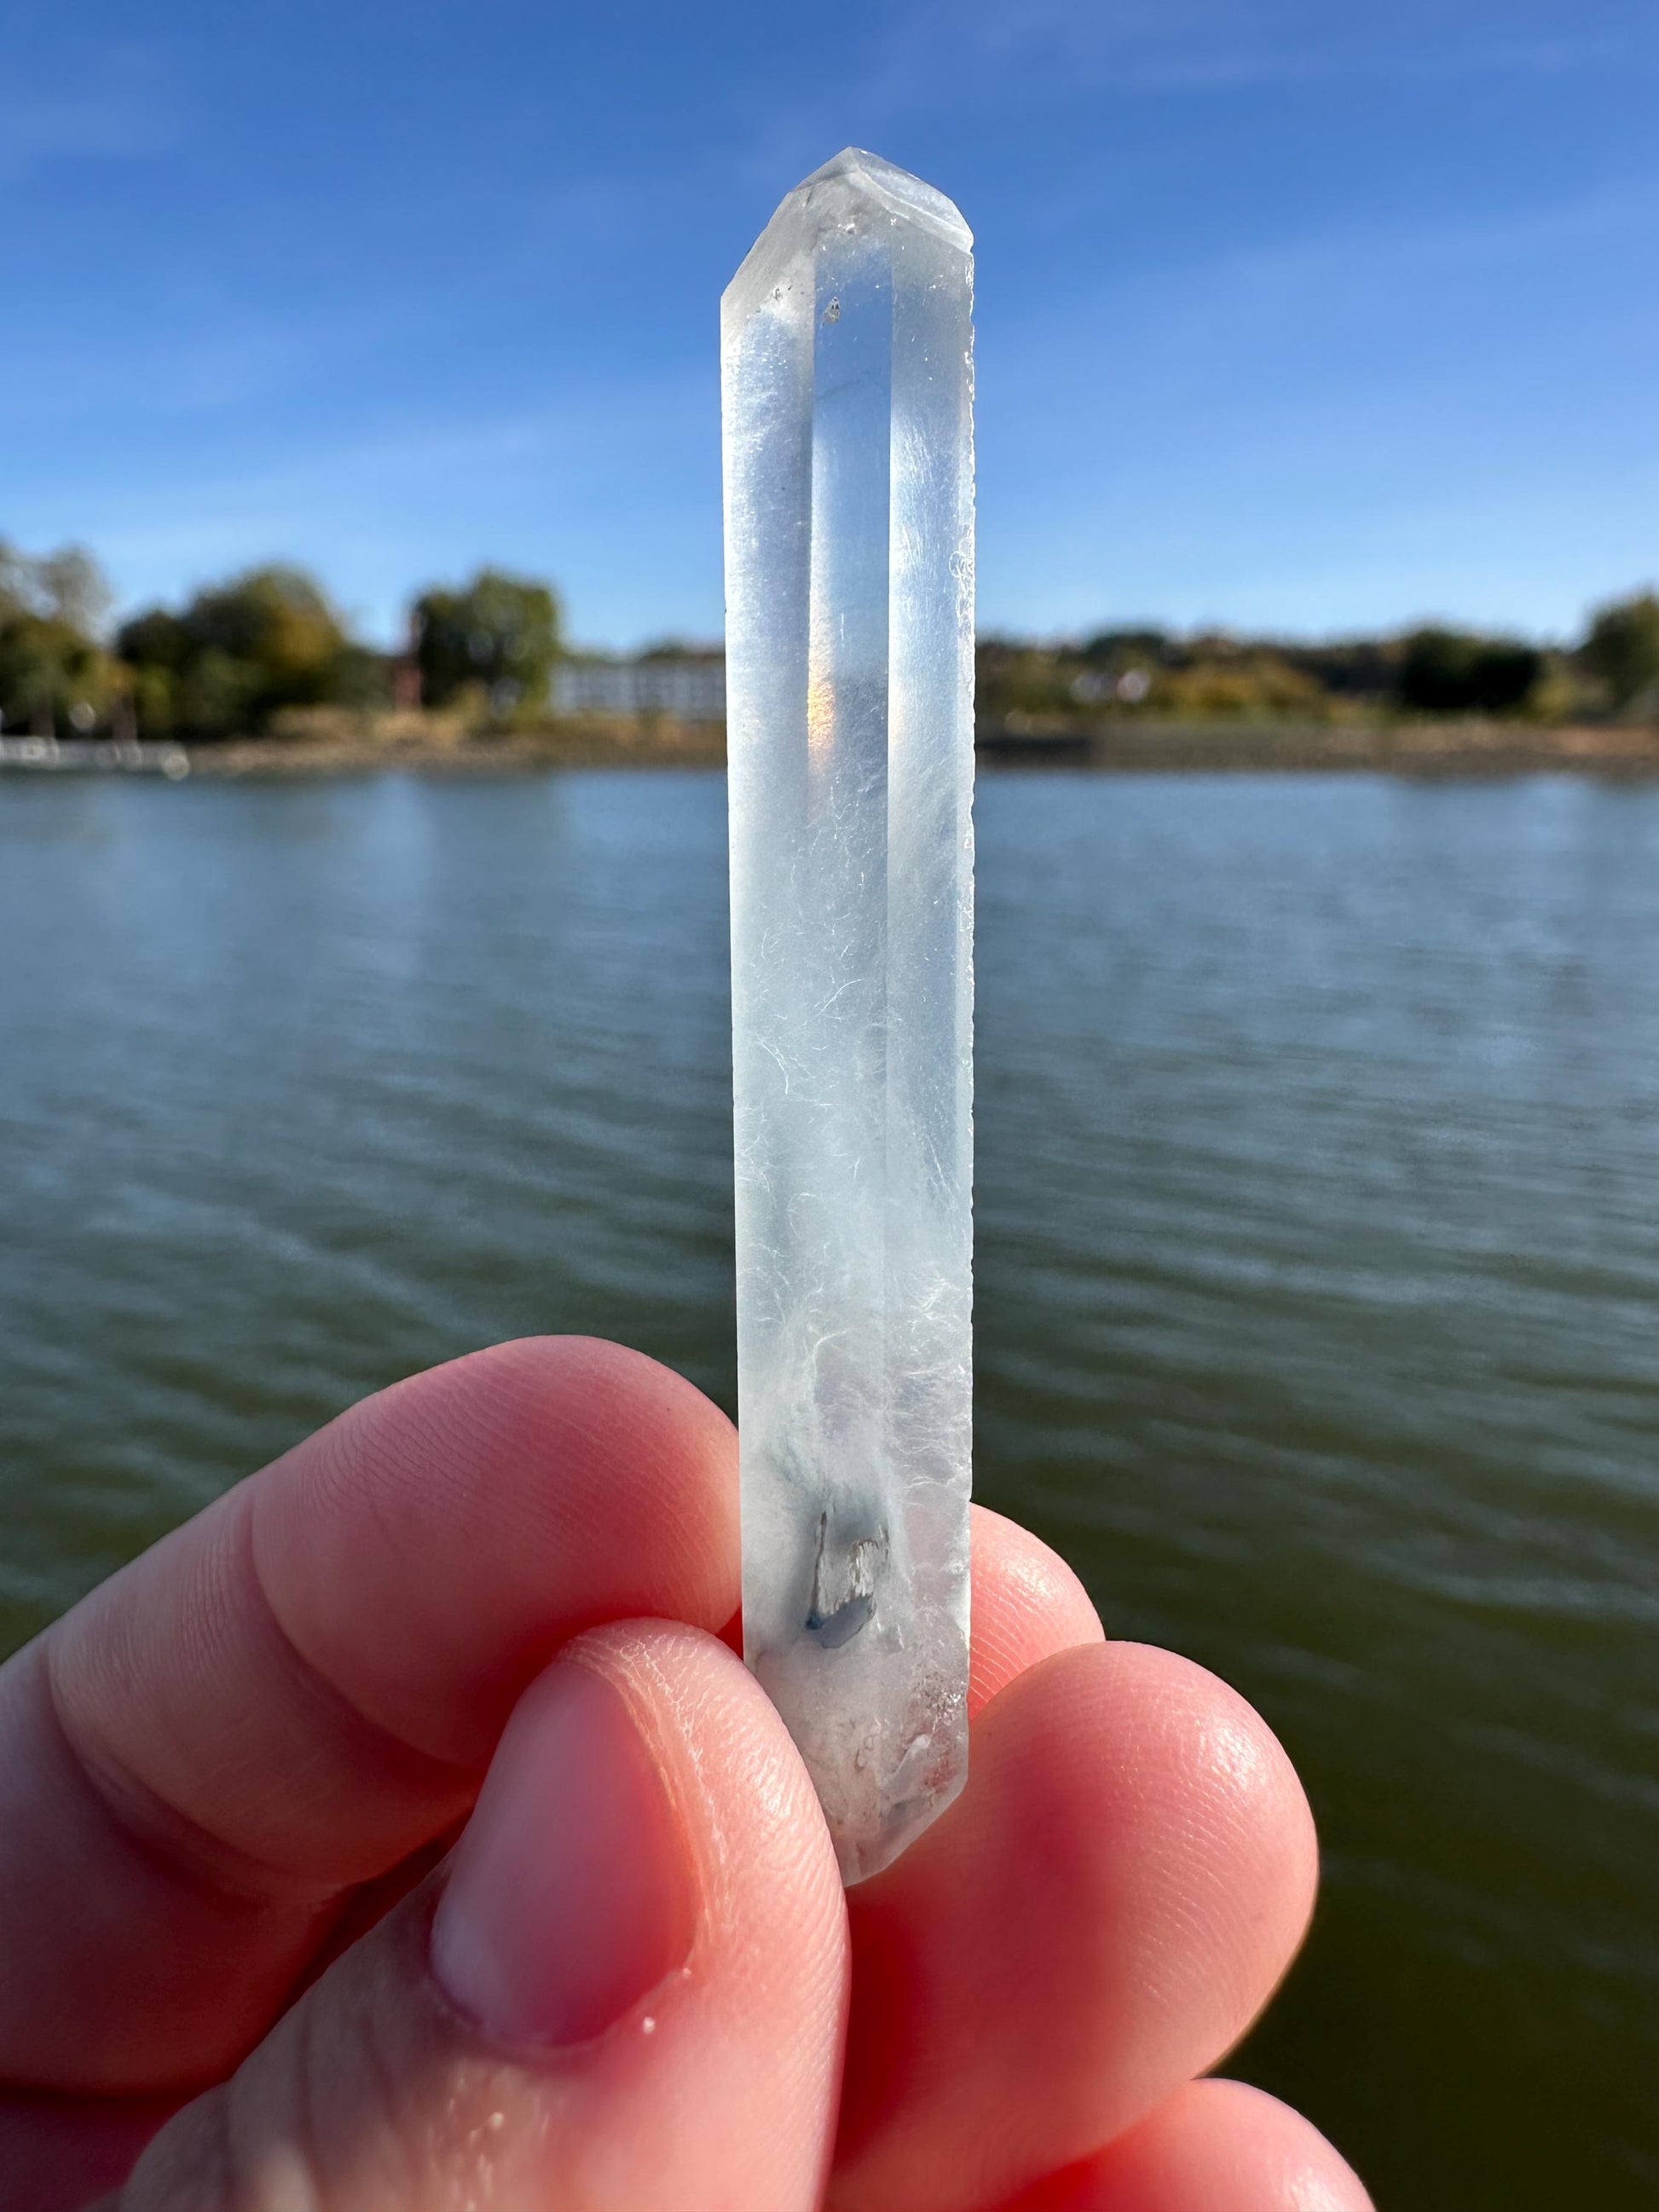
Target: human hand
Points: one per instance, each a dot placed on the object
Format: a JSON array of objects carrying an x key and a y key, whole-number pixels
[{"x": 229, "y": 1777}]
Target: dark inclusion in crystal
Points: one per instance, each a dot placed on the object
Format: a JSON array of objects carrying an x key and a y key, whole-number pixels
[{"x": 845, "y": 1576}]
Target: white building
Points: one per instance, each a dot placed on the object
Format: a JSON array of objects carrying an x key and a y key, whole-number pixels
[{"x": 691, "y": 686}]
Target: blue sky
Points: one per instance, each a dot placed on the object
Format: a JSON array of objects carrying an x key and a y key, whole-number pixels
[{"x": 1304, "y": 316}]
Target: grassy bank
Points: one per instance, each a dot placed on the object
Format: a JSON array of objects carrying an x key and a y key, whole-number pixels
[
  {"x": 338, "y": 744},
  {"x": 345, "y": 744}
]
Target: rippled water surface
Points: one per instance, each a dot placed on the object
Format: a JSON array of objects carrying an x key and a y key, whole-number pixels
[{"x": 1319, "y": 1280}]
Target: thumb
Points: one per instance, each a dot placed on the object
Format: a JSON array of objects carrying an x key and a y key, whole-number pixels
[{"x": 627, "y": 1988}]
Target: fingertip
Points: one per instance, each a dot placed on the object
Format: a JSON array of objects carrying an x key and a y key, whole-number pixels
[
  {"x": 1027, "y": 1605},
  {"x": 1215, "y": 2146},
  {"x": 570, "y": 1895},
  {"x": 1097, "y": 1918},
  {"x": 1215, "y": 1837},
  {"x": 493, "y": 1508},
  {"x": 627, "y": 1988},
  {"x": 293, "y": 1693},
  {"x": 772, "y": 1910},
  {"x": 1232, "y": 1800},
  {"x": 660, "y": 1889}
]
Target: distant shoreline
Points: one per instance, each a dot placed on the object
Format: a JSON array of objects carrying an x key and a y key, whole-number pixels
[
  {"x": 1417, "y": 748},
  {"x": 1133, "y": 747},
  {"x": 428, "y": 745}
]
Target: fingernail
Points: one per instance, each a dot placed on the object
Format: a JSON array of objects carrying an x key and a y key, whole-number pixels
[{"x": 569, "y": 1895}]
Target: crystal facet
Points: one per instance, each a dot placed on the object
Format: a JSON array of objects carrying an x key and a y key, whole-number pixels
[{"x": 847, "y": 391}]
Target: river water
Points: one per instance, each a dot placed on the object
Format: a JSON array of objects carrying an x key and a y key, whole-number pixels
[{"x": 1318, "y": 1285}]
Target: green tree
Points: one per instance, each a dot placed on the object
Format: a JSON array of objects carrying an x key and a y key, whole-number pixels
[
  {"x": 1448, "y": 671},
  {"x": 1363, "y": 669},
  {"x": 239, "y": 652},
  {"x": 1622, "y": 648},
  {"x": 66, "y": 587},
  {"x": 52, "y": 671},
  {"x": 51, "y": 675},
  {"x": 499, "y": 633},
  {"x": 1127, "y": 648}
]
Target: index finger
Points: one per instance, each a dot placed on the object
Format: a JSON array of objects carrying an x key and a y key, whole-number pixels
[{"x": 302, "y": 1686}]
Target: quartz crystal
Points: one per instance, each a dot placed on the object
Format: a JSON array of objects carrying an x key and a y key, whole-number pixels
[{"x": 848, "y": 390}]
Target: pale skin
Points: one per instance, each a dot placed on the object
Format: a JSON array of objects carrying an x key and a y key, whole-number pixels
[{"x": 237, "y": 1926}]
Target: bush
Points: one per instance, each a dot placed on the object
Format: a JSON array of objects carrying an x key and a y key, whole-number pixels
[
  {"x": 1622, "y": 649},
  {"x": 51, "y": 668},
  {"x": 239, "y": 654},
  {"x": 499, "y": 633},
  {"x": 51, "y": 675},
  {"x": 1448, "y": 671}
]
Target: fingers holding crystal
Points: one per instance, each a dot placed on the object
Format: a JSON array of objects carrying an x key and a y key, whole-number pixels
[
  {"x": 1094, "y": 1921},
  {"x": 300, "y": 1687}
]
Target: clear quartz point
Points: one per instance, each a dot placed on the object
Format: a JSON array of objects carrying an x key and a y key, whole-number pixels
[{"x": 848, "y": 395}]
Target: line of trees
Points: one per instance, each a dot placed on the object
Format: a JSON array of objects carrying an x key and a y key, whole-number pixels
[
  {"x": 1613, "y": 670},
  {"x": 240, "y": 655}
]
